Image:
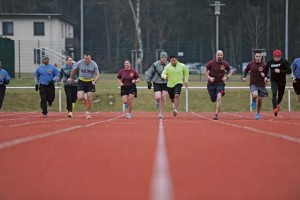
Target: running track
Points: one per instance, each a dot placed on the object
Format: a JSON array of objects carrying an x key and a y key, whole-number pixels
[{"x": 109, "y": 157}]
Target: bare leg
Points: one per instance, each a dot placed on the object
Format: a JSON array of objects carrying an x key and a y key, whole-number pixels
[
  {"x": 219, "y": 103},
  {"x": 176, "y": 101},
  {"x": 89, "y": 101},
  {"x": 163, "y": 101},
  {"x": 130, "y": 102},
  {"x": 259, "y": 104}
]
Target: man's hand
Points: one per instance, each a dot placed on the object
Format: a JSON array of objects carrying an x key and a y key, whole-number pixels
[
  {"x": 244, "y": 79},
  {"x": 149, "y": 84},
  {"x": 36, "y": 87},
  {"x": 211, "y": 79}
]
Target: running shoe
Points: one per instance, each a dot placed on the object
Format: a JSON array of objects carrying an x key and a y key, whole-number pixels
[
  {"x": 128, "y": 115},
  {"x": 175, "y": 113},
  {"x": 275, "y": 111},
  {"x": 160, "y": 116},
  {"x": 253, "y": 104},
  {"x": 88, "y": 116},
  {"x": 216, "y": 117},
  {"x": 257, "y": 116},
  {"x": 44, "y": 115},
  {"x": 70, "y": 114}
]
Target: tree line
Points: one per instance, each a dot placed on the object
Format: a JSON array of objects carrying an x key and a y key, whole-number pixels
[{"x": 174, "y": 26}]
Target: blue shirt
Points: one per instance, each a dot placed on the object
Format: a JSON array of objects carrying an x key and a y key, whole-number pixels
[
  {"x": 45, "y": 74},
  {"x": 4, "y": 77},
  {"x": 295, "y": 67}
]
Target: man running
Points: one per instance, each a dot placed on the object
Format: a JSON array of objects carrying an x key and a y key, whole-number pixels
[
  {"x": 88, "y": 77},
  {"x": 176, "y": 73},
  {"x": 215, "y": 71},
  {"x": 159, "y": 85},
  {"x": 279, "y": 67},
  {"x": 258, "y": 81}
]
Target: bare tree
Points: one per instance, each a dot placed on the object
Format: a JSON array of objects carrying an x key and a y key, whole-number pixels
[{"x": 136, "y": 18}]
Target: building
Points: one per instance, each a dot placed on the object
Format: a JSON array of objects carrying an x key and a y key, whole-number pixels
[{"x": 37, "y": 34}]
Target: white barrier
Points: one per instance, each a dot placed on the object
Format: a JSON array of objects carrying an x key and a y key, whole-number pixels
[
  {"x": 186, "y": 95},
  {"x": 226, "y": 87},
  {"x": 59, "y": 93}
]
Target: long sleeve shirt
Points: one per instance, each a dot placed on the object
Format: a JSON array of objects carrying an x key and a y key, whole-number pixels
[
  {"x": 65, "y": 73},
  {"x": 295, "y": 67},
  {"x": 4, "y": 77},
  {"x": 46, "y": 74},
  {"x": 175, "y": 74},
  {"x": 284, "y": 67},
  {"x": 154, "y": 72}
]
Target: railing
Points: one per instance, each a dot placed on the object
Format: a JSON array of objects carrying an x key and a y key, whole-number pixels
[
  {"x": 227, "y": 87},
  {"x": 186, "y": 95},
  {"x": 59, "y": 93}
]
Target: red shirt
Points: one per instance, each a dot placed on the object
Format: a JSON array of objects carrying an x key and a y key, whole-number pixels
[
  {"x": 126, "y": 76},
  {"x": 217, "y": 70},
  {"x": 255, "y": 73}
]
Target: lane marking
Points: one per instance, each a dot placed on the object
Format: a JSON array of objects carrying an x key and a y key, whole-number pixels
[
  {"x": 277, "y": 135},
  {"x": 22, "y": 140},
  {"x": 161, "y": 183},
  {"x": 274, "y": 120}
]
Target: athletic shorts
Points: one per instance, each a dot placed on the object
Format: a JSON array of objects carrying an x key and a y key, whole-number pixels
[
  {"x": 262, "y": 91},
  {"x": 214, "y": 90},
  {"x": 296, "y": 86},
  {"x": 160, "y": 87},
  {"x": 126, "y": 90},
  {"x": 174, "y": 90},
  {"x": 86, "y": 86}
]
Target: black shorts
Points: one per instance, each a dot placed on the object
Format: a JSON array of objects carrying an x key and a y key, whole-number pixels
[
  {"x": 296, "y": 86},
  {"x": 174, "y": 90},
  {"x": 160, "y": 87},
  {"x": 214, "y": 90},
  {"x": 86, "y": 86},
  {"x": 126, "y": 90}
]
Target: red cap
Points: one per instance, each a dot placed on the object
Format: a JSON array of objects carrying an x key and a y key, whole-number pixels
[{"x": 276, "y": 53}]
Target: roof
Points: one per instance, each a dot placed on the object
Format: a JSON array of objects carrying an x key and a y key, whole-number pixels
[{"x": 39, "y": 15}]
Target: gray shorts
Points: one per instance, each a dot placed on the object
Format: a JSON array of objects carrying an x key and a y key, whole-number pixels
[{"x": 262, "y": 91}]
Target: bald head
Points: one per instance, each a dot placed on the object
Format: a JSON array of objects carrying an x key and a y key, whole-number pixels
[{"x": 219, "y": 56}]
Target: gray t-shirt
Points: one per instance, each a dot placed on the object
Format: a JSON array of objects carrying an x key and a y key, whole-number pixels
[{"x": 86, "y": 72}]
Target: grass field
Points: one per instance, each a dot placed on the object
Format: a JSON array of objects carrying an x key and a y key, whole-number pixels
[{"x": 107, "y": 91}]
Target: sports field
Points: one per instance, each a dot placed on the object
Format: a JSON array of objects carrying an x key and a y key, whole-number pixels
[{"x": 188, "y": 157}]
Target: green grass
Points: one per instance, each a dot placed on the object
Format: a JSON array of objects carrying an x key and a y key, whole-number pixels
[{"x": 107, "y": 90}]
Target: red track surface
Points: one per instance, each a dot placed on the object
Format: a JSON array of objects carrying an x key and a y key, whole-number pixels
[{"x": 111, "y": 157}]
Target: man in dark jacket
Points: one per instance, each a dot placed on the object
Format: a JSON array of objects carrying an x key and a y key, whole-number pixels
[{"x": 278, "y": 67}]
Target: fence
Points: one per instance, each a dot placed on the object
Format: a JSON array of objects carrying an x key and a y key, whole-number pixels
[{"x": 186, "y": 95}]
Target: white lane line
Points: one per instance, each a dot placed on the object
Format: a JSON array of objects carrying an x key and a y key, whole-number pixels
[
  {"x": 277, "y": 135},
  {"x": 161, "y": 183},
  {"x": 17, "y": 141},
  {"x": 274, "y": 120}
]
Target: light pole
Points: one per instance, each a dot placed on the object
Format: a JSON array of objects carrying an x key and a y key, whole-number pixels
[
  {"x": 286, "y": 29},
  {"x": 81, "y": 28},
  {"x": 217, "y": 6}
]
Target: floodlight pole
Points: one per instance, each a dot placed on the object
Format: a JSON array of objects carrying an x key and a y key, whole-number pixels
[
  {"x": 81, "y": 28},
  {"x": 286, "y": 29},
  {"x": 217, "y": 6}
]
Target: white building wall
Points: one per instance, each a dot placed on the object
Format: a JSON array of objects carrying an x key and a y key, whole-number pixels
[{"x": 25, "y": 41}]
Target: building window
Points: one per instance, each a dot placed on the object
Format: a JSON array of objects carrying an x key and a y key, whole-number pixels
[
  {"x": 8, "y": 28},
  {"x": 39, "y": 28}
]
